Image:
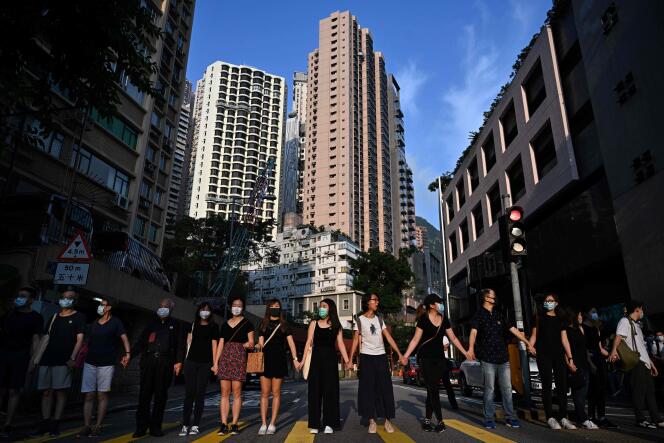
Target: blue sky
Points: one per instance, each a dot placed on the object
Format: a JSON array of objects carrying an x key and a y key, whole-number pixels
[{"x": 449, "y": 57}]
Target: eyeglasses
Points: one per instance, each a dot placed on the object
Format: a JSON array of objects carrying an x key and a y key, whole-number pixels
[{"x": 374, "y": 299}]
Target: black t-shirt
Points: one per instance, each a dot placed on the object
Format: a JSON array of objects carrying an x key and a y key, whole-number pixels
[
  {"x": 548, "y": 335},
  {"x": 63, "y": 339},
  {"x": 278, "y": 340},
  {"x": 593, "y": 338},
  {"x": 577, "y": 343},
  {"x": 17, "y": 329},
  {"x": 104, "y": 342},
  {"x": 242, "y": 334},
  {"x": 200, "y": 350},
  {"x": 434, "y": 347}
]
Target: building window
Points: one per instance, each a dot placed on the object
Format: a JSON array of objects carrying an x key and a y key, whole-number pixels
[
  {"x": 544, "y": 151},
  {"x": 139, "y": 227},
  {"x": 158, "y": 195},
  {"x": 450, "y": 208},
  {"x": 116, "y": 127},
  {"x": 478, "y": 220},
  {"x": 473, "y": 175},
  {"x": 153, "y": 233},
  {"x": 534, "y": 89},
  {"x": 495, "y": 206},
  {"x": 489, "y": 152},
  {"x": 453, "y": 247},
  {"x": 465, "y": 239},
  {"x": 346, "y": 304},
  {"x": 516, "y": 180},
  {"x": 100, "y": 171},
  {"x": 508, "y": 122},
  {"x": 162, "y": 162},
  {"x": 315, "y": 306},
  {"x": 461, "y": 192},
  {"x": 145, "y": 189}
]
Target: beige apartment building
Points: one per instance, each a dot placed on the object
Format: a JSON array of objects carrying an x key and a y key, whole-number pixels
[{"x": 347, "y": 161}]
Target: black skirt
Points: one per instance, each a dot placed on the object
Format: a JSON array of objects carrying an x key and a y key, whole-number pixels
[{"x": 375, "y": 397}]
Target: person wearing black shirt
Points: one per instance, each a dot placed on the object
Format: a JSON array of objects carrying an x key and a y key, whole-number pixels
[
  {"x": 431, "y": 326},
  {"x": 273, "y": 335},
  {"x": 490, "y": 330},
  {"x": 201, "y": 347},
  {"x": 20, "y": 329},
  {"x": 66, "y": 330},
  {"x": 162, "y": 346},
  {"x": 549, "y": 337}
]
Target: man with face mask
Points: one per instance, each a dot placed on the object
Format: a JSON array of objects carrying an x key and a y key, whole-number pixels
[
  {"x": 490, "y": 330},
  {"x": 162, "y": 345},
  {"x": 20, "y": 329},
  {"x": 643, "y": 387}
]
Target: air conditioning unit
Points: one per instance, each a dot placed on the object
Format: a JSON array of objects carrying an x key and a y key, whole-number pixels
[{"x": 121, "y": 201}]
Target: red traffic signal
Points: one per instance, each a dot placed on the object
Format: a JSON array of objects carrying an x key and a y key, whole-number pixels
[
  {"x": 513, "y": 233},
  {"x": 515, "y": 213}
]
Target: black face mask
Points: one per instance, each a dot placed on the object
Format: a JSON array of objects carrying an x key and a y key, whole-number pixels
[{"x": 274, "y": 312}]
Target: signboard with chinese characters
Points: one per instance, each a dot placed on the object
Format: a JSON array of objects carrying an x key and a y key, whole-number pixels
[{"x": 71, "y": 274}]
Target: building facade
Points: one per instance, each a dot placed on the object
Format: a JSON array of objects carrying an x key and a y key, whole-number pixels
[
  {"x": 420, "y": 237},
  {"x": 241, "y": 127},
  {"x": 177, "y": 195},
  {"x": 347, "y": 161},
  {"x": 300, "y": 95},
  {"x": 290, "y": 183}
]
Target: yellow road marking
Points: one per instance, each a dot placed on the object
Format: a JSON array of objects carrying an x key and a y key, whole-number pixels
[
  {"x": 396, "y": 437},
  {"x": 212, "y": 437},
  {"x": 476, "y": 432},
  {"x": 47, "y": 438},
  {"x": 300, "y": 433},
  {"x": 128, "y": 437}
]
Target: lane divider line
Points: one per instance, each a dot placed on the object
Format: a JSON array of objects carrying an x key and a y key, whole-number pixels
[
  {"x": 395, "y": 437},
  {"x": 128, "y": 437},
  {"x": 212, "y": 437},
  {"x": 480, "y": 434},
  {"x": 300, "y": 433}
]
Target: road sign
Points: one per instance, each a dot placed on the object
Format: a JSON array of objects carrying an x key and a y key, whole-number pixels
[
  {"x": 71, "y": 274},
  {"x": 76, "y": 250}
]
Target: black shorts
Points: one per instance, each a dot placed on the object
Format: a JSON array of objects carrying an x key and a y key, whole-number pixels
[{"x": 13, "y": 369}]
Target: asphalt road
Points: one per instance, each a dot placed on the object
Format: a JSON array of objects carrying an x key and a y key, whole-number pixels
[{"x": 464, "y": 425}]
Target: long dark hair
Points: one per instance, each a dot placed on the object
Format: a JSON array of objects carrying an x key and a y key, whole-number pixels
[
  {"x": 540, "y": 312},
  {"x": 571, "y": 315},
  {"x": 266, "y": 319},
  {"x": 197, "y": 318},
  {"x": 332, "y": 315}
]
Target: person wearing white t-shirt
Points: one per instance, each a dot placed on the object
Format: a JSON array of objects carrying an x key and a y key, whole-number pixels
[
  {"x": 375, "y": 397},
  {"x": 643, "y": 386}
]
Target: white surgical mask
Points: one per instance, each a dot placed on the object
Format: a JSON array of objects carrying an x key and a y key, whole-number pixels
[
  {"x": 163, "y": 312},
  {"x": 660, "y": 338},
  {"x": 19, "y": 302},
  {"x": 236, "y": 310},
  {"x": 100, "y": 310},
  {"x": 66, "y": 302},
  {"x": 549, "y": 305},
  {"x": 204, "y": 314}
]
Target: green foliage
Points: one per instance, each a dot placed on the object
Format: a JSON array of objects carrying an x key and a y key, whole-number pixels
[
  {"x": 384, "y": 274},
  {"x": 304, "y": 317},
  {"x": 445, "y": 180},
  {"x": 402, "y": 334}
]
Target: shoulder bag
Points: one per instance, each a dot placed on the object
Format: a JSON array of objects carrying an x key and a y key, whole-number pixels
[
  {"x": 629, "y": 358},
  {"x": 189, "y": 340},
  {"x": 434, "y": 336},
  {"x": 43, "y": 343},
  {"x": 256, "y": 360}
]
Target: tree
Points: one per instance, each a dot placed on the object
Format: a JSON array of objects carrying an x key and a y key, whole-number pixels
[{"x": 384, "y": 274}]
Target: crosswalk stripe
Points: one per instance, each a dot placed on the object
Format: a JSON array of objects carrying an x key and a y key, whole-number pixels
[
  {"x": 212, "y": 437},
  {"x": 63, "y": 434},
  {"x": 128, "y": 437},
  {"x": 477, "y": 432},
  {"x": 395, "y": 437},
  {"x": 300, "y": 433}
]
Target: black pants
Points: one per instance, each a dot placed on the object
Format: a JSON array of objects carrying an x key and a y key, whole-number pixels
[
  {"x": 579, "y": 395},
  {"x": 448, "y": 387},
  {"x": 323, "y": 384},
  {"x": 375, "y": 396},
  {"x": 432, "y": 372},
  {"x": 643, "y": 393},
  {"x": 597, "y": 384},
  {"x": 553, "y": 367},
  {"x": 156, "y": 377},
  {"x": 196, "y": 378}
]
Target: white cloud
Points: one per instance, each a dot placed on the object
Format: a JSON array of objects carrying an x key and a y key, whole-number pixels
[
  {"x": 523, "y": 12},
  {"x": 410, "y": 79}
]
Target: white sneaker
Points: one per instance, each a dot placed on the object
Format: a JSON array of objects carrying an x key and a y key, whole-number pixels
[
  {"x": 589, "y": 425},
  {"x": 184, "y": 431},
  {"x": 271, "y": 429},
  {"x": 567, "y": 424},
  {"x": 262, "y": 430},
  {"x": 194, "y": 430},
  {"x": 313, "y": 431},
  {"x": 553, "y": 423},
  {"x": 328, "y": 430}
]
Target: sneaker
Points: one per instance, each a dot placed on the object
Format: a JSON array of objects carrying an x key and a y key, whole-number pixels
[
  {"x": 553, "y": 423},
  {"x": 660, "y": 424},
  {"x": 372, "y": 426},
  {"x": 427, "y": 426},
  {"x": 440, "y": 427},
  {"x": 184, "y": 431},
  {"x": 96, "y": 431},
  {"x": 512, "y": 423},
  {"x": 388, "y": 427},
  {"x": 490, "y": 424},
  {"x": 328, "y": 430},
  {"x": 606, "y": 423},
  {"x": 271, "y": 430},
  {"x": 588, "y": 424},
  {"x": 235, "y": 429},
  {"x": 138, "y": 434},
  {"x": 223, "y": 429},
  {"x": 567, "y": 424},
  {"x": 262, "y": 430},
  {"x": 87, "y": 432},
  {"x": 646, "y": 424},
  {"x": 55, "y": 429},
  {"x": 194, "y": 430},
  {"x": 313, "y": 431}
]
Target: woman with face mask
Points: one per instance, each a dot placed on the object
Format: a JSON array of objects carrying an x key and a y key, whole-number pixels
[
  {"x": 598, "y": 376},
  {"x": 432, "y": 326},
  {"x": 230, "y": 363},
  {"x": 323, "y": 379},
  {"x": 549, "y": 337},
  {"x": 273, "y": 336},
  {"x": 201, "y": 347}
]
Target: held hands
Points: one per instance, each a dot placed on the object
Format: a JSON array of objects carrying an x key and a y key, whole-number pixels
[
  {"x": 214, "y": 368},
  {"x": 531, "y": 350},
  {"x": 349, "y": 365},
  {"x": 177, "y": 367},
  {"x": 248, "y": 345},
  {"x": 470, "y": 355},
  {"x": 614, "y": 357},
  {"x": 403, "y": 360},
  {"x": 653, "y": 370},
  {"x": 124, "y": 361},
  {"x": 571, "y": 365},
  {"x": 71, "y": 364}
]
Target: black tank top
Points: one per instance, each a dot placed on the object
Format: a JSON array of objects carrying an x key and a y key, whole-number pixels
[{"x": 324, "y": 337}]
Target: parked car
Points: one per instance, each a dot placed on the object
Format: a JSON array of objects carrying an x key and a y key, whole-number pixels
[
  {"x": 455, "y": 372},
  {"x": 122, "y": 251},
  {"x": 410, "y": 372}
]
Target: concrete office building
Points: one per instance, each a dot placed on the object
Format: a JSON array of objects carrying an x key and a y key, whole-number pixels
[
  {"x": 290, "y": 168},
  {"x": 196, "y": 110},
  {"x": 300, "y": 95},
  {"x": 420, "y": 237},
  {"x": 177, "y": 200},
  {"x": 241, "y": 127},
  {"x": 347, "y": 165}
]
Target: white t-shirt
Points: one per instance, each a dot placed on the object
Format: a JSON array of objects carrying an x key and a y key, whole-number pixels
[
  {"x": 371, "y": 336},
  {"x": 625, "y": 330}
]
